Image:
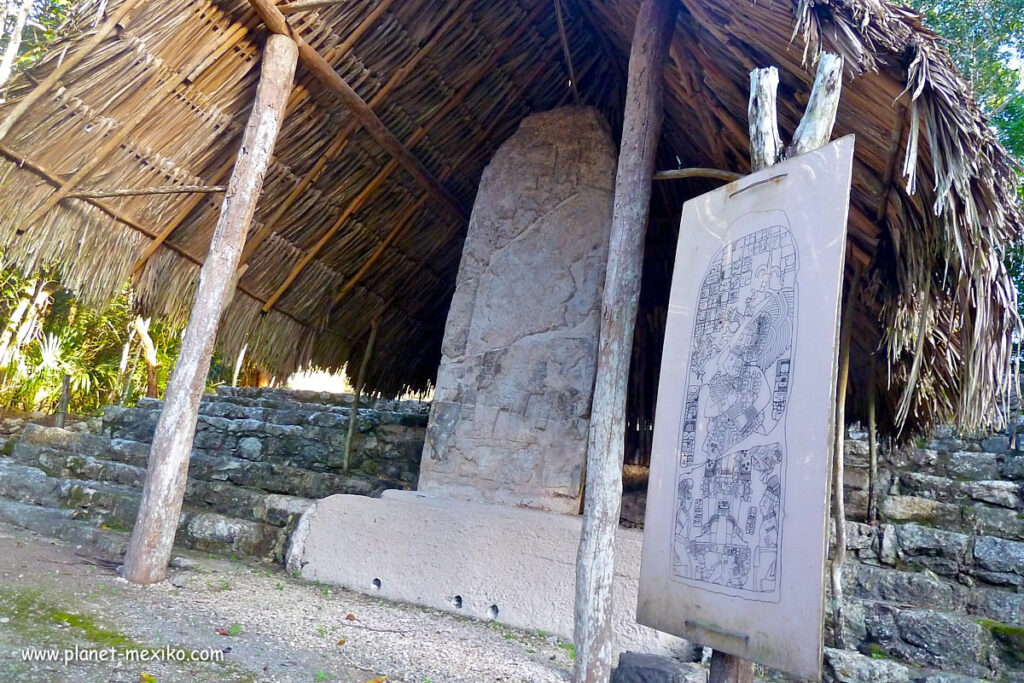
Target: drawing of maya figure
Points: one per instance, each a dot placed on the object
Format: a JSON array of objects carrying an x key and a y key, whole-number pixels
[{"x": 730, "y": 474}]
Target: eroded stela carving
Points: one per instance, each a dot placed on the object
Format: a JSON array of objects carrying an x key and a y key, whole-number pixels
[{"x": 511, "y": 410}]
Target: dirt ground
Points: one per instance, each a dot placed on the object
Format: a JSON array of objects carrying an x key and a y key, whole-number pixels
[{"x": 59, "y": 601}]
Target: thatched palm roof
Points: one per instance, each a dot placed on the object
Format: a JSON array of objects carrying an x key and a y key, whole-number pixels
[{"x": 933, "y": 196}]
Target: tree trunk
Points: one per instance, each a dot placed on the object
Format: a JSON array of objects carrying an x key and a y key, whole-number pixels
[
  {"x": 152, "y": 538},
  {"x": 149, "y": 353},
  {"x": 640, "y": 133},
  {"x": 14, "y": 43},
  {"x": 238, "y": 366}
]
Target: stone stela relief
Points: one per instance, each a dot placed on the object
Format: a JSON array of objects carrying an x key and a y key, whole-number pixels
[{"x": 734, "y": 544}]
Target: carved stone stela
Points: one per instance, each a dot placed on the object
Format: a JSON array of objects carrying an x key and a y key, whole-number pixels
[{"x": 511, "y": 411}]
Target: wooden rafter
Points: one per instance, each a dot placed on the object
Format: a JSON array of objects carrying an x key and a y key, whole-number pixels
[
  {"x": 23, "y": 161},
  {"x": 403, "y": 224},
  {"x": 299, "y": 96},
  {"x": 325, "y": 73},
  {"x": 341, "y": 139},
  {"x": 65, "y": 66},
  {"x": 163, "y": 83},
  {"x": 418, "y": 135}
]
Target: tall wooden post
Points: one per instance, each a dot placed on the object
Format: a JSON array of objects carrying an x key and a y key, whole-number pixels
[
  {"x": 353, "y": 414},
  {"x": 640, "y": 132},
  {"x": 152, "y": 538}
]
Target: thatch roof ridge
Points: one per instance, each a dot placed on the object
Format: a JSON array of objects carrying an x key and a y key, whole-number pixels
[{"x": 454, "y": 78}]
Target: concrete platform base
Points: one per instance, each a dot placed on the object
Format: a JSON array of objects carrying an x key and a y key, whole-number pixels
[{"x": 484, "y": 561}]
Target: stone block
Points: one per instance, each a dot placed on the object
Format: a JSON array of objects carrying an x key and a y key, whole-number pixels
[
  {"x": 915, "y": 588},
  {"x": 852, "y": 667},
  {"x": 999, "y": 554},
  {"x": 917, "y": 509},
  {"x": 637, "y": 667},
  {"x": 512, "y": 565},
  {"x": 988, "y": 520},
  {"x": 538, "y": 234},
  {"x": 944, "y": 640},
  {"x": 1013, "y": 467},
  {"x": 1002, "y": 493},
  {"x": 976, "y": 466}
]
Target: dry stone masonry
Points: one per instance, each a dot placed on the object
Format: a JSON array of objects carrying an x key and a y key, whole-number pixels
[
  {"x": 938, "y": 583},
  {"x": 510, "y": 417},
  {"x": 260, "y": 459}
]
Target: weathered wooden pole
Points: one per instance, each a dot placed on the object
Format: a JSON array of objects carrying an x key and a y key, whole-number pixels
[
  {"x": 872, "y": 454},
  {"x": 641, "y": 130},
  {"x": 353, "y": 415},
  {"x": 62, "y": 403},
  {"x": 839, "y": 463},
  {"x": 152, "y": 538}
]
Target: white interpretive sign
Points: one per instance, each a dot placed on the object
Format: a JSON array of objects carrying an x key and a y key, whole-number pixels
[{"x": 734, "y": 538}]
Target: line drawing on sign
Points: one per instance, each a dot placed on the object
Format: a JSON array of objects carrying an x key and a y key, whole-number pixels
[{"x": 731, "y": 464}]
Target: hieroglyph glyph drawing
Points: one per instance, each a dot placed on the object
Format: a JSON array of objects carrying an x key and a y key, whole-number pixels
[
  {"x": 734, "y": 537},
  {"x": 732, "y": 441}
]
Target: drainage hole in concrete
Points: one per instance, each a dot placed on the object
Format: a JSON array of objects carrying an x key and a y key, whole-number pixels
[
  {"x": 457, "y": 602},
  {"x": 492, "y": 612},
  {"x": 375, "y": 584}
]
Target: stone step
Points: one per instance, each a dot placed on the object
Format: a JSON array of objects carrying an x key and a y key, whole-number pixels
[
  {"x": 999, "y": 493},
  {"x": 960, "y": 465},
  {"x": 386, "y": 454},
  {"x": 229, "y": 418},
  {"x": 966, "y": 518},
  {"x": 50, "y": 447},
  {"x": 58, "y": 523},
  {"x": 236, "y": 499},
  {"x": 934, "y": 638},
  {"x": 967, "y": 561},
  {"x": 257, "y": 396},
  {"x": 115, "y": 506},
  {"x": 929, "y": 590}
]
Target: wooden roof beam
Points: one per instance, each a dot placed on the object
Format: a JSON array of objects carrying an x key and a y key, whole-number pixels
[
  {"x": 325, "y": 73},
  {"x": 341, "y": 139},
  {"x": 49, "y": 176},
  {"x": 163, "y": 82},
  {"x": 299, "y": 95},
  {"x": 478, "y": 75},
  {"x": 65, "y": 66},
  {"x": 400, "y": 229}
]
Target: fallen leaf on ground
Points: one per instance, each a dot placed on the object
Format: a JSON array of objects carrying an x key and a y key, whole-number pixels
[
  {"x": 146, "y": 678},
  {"x": 341, "y": 642},
  {"x": 221, "y": 632},
  {"x": 379, "y": 679},
  {"x": 351, "y": 617}
]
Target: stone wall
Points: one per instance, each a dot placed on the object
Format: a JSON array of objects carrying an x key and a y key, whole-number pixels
[
  {"x": 510, "y": 417},
  {"x": 299, "y": 432},
  {"x": 938, "y": 582}
]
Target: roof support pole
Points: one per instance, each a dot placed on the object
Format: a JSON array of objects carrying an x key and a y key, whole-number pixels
[
  {"x": 603, "y": 494},
  {"x": 353, "y": 414},
  {"x": 149, "y": 549}
]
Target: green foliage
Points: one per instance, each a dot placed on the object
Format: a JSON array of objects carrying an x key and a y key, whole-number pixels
[
  {"x": 986, "y": 40},
  {"x": 62, "y": 337}
]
